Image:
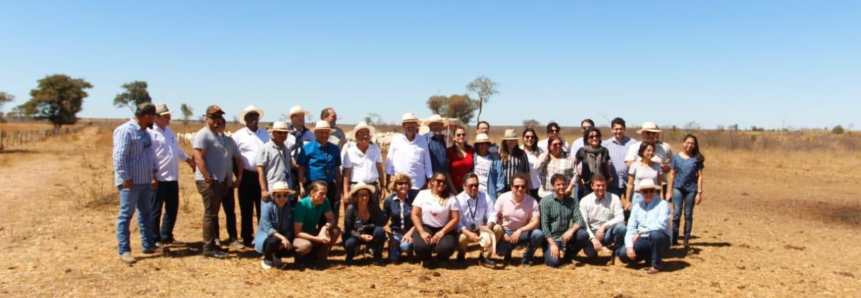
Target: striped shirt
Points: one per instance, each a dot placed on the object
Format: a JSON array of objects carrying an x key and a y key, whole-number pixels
[
  {"x": 134, "y": 158},
  {"x": 514, "y": 165},
  {"x": 557, "y": 216}
]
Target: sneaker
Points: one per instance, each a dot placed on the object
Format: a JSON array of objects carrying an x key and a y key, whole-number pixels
[
  {"x": 148, "y": 251},
  {"x": 215, "y": 253},
  {"x": 266, "y": 264},
  {"x": 236, "y": 245},
  {"x": 526, "y": 263},
  {"x": 486, "y": 262},
  {"x": 158, "y": 244},
  {"x": 653, "y": 270},
  {"x": 127, "y": 258},
  {"x": 686, "y": 244}
]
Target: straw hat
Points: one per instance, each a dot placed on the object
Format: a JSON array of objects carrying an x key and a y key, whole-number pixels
[
  {"x": 161, "y": 109},
  {"x": 434, "y": 119},
  {"x": 482, "y": 138},
  {"x": 281, "y": 186},
  {"x": 360, "y": 186},
  {"x": 409, "y": 117},
  {"x": 280, "y": 126},
  {"x": 487, "y": 238},
  {"x": 297, "y": 110},
  {"x": 249, "y": 109},
  {"x": 647, "y": 184},
  {"x": 649, "y": 126},
  {"x": 324, "y": 125},
  {"x": 510, "y": 134},
  {"x": 364, "y": 125}
]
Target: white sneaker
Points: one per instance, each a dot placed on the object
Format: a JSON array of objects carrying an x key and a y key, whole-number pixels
[{"x": 266, "y": 264}]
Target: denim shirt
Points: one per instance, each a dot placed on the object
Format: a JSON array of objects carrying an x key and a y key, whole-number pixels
[
  {"x": 273, "y": 220},
  {"x": 400, "y": 217},
  {"x": 654, "y": 216},
  {"x": 495, "y": 179},
  {"x": 438, "y": 151}
]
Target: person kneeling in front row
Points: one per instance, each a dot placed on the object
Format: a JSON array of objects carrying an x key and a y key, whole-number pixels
[
  {"x": 275, "y": 230},
  {"x": 648, "y": 234},
  {"x": 604, "y": 216},
  {"x": 307, "y": 214},
  {"x": 562, "y": 224}
]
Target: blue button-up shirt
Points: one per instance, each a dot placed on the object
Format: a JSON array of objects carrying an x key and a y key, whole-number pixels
[
  {"x": 618, "y": 150},
  {"x": 654, "y": 216},
  {"x": 436, "y": 146},
  {"x": 398, "y": 211},
  {"x": 134, "y": 158},
  {"x": 320, "y": 161}
]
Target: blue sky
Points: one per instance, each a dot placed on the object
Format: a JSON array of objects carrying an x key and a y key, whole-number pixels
[{"x": 763, "y": 63}]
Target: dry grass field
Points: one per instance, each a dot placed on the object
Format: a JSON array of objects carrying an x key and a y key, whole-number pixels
[{"x": 772, "y": 224}]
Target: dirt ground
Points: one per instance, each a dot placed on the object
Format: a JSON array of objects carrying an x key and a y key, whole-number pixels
[{"x": 771, "y": 225}]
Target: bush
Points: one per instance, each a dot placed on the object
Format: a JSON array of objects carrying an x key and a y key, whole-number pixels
[{"x": 837, "y": 130}]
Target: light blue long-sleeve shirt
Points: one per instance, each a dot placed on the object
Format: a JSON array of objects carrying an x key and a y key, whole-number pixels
[
  {"x": 654, "y": 216},
  {"x": 134, "y": 158}
]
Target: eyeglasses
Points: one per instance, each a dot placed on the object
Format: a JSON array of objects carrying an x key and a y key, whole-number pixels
[
  {"x": 440, "y": 181},
  {"x": 402, "y": 183},
  {"x": 527, "y": 137},
  {"x": 585, "y": 127},
  {"x": 553, "y": 130},
  {"x": 280, "y": 195},
  {"x": 472, "y": 185},
  {"x": 650, "y": 133},
  {"x": 556, "y": 144},
  {"x": 647, "y": 191},
  {"x": 459, "y": 134},
  {"x": 522, "y": 186},
  {"x": 593, "y": 137}
]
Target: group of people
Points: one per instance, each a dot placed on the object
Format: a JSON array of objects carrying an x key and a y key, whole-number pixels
[{"x": 428, "y": 200}]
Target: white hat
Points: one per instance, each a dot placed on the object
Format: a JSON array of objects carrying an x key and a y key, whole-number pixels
[
  {"x": 297, "y": 110},
  {"x": 647, "y": 184},
  {"x": 409, "y": 117},
  {"x": 364, "y": 125},
  {"x": 487, "y": 238},
  {"x": 281, "y": 186},
  {"x": 649, "y": 126},
  {"x": 434, "y": 119},
  {"x": 360, "y": 186},
  {"x": 248, "y": 109},
  {"x": 482, "y": 138},
  {"x": 161, "y": 109},
  {"x": 280, "y": 126},
  {"x": 322, "y": 124},
  {"x": 510, "y": 134}
]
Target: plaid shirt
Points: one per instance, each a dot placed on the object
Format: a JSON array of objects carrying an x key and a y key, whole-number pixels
[
  {"x": 564, "y": 166},
  {"x": 134, "y": 158}
]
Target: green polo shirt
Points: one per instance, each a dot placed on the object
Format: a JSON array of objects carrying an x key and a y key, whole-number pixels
[{"x": 308, "y": 215}]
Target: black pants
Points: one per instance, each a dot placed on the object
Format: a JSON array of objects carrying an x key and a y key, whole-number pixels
[
  {"x": 228, "y": 203},
  {"x": 534, "y": 194},
  {"x": 167, "y": 195},
  {"x": 272, "y": 247},
  {"x": 249, "y": 200},
  {"x": 444, "y": 248}
]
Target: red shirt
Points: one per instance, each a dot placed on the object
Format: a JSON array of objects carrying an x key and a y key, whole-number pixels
[{"x": 458, "y": 166}]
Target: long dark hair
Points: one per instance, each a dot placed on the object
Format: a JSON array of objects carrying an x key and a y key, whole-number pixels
[
  {"x": 697, "y": 154},
  {"x": 445, "y": 193},
  {"x": 516, "y": 152},
  {"x": 534, "y": 147},
  {"x": 644, "y": 146},
  {"x": 466, "y": 145},
  {"x": 550, "y": 140},
  {"x": 586, "y": 136}
]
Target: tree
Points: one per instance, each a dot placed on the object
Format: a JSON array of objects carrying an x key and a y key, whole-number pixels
[
  {"x": 374, "y": 119},
  {"x": 459, "y": 106},
  {"x": 531, "y": 123},
  {"x": 187, "y": 112},
  {"x": 4, "y": 98},
  {"x": 58, "y": 98},
  {"x": 485, "y": 88},
  {"x": 134, "y": 95},
  {"x": 838, "y": 130}
]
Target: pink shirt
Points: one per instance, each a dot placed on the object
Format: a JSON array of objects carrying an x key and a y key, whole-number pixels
[{"x": 514, "y": 215}]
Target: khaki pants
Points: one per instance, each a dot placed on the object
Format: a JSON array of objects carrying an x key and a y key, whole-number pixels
[
  {"x": 304, "y": 246},
  {"x": 463, "y": 241}
]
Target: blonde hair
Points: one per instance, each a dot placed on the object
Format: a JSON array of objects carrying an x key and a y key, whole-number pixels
[{"x": 399, "y": 177}]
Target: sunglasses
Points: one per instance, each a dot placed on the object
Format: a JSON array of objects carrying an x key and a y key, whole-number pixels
[
  {"x": 650, "y": 133},
  {"x": 280, "y": 195},
  {"x": 556, "y": 144},
  {"x": 593, "y": 137},
  {"x": 522, "y": 186},
  {"x": 439, "y": 181},
  {"x": 528, "y": 137},
  {"x": 459, "y": 134},
  {"x": 472, "y": 185},
  {"x": 402, "y": 183},
  {"x": 648, "y": 191},
  {"x": 553, "y": 130}
]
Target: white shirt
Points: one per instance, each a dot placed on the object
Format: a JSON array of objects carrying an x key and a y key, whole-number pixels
[
  {"x": 481, "y": 169},
  {"x": 434, "y": 214},
  {"x": 364, "y": 165},
  {"x": 543, "y": 146},
  {"x": 249, "y": 144},
  {"x": 474, "y": 212},
  {"x": 167, "y": 153},
  {"x": 411, "y": 158},
  {"x": 578, "y": 143},
  {"x": 606, "y": 212},
  {"x": 535, "y": 181}
]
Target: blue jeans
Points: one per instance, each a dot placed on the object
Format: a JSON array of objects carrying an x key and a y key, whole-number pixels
[
  {"x": 532, "y": 239},
  {"x": 398, "y": 246},
  {"x": 568, "y": 250},
  {"x": 138, "y": 197},
  {"x": 615, "y": 234},
  {"x": 684, "y": 198},
  {"x": 649, "y": 247}
]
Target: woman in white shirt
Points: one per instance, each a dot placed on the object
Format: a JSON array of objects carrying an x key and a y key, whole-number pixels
[
  {"x": 362, "y": 162},
  {"x": 435, "y": 215},
  {"x": 530, "y": 146}
]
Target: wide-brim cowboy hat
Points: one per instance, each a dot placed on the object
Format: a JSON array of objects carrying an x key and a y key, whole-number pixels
[
  {"x": 510, "y": 134},
  {"x": 435, "y": 118},
  {"x": 246, "y": 111},
  {"x": 281, "y": 187},
  {"x": 322, "y": 125},
  {"x": 487, "y": 237},
  {"x": 280, "y": 126},
  {"x": 481, "y": 138},
  {"x": 360, "y": 186},
  {"x": 649, "y": 126},
  {"x": 409, "y": 117},
  {"x": 363, "y": 125},
  {"x": 648, "y": 184},
  {"x": 297, "y": 110}
]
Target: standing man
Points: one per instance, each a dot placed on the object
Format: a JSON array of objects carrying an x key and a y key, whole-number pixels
[
  {"x": 650, "y": 133},
  {"x": 168, "y": 154},
  {"x": 321, "y": 161},
  {"x": 299, "y": 137},
  {"x": 409, "y": 154},
  {"x": 338, "y": 137},
  {"x": 553, "y": 129},
  {"x": 436, "y": 144},
  {"x": 618, "y": 146},
  {"x": 250, "y": 140},
  {"x": 228, "y": 201},
  {"x": 211, "y": 156},
  {"x": 274, "y": 161},
  {"x": 135, "y": 170}
]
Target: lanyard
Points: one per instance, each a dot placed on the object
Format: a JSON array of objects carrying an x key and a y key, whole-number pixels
[{"x": 473, "y": 211}]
